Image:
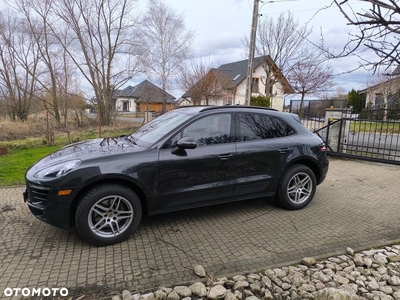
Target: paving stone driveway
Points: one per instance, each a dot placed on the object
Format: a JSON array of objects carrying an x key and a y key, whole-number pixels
[{"x": 358, "y": 206}]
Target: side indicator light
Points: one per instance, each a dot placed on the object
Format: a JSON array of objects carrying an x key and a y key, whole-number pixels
[{"x": 64, "y": 192}]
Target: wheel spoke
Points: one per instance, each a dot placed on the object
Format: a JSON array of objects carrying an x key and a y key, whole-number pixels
[
  {"x": 292, "y": 189},
  {"x": 102, "y": 220},
  {"x": 124, "y": 212},
  {"x": 297, "y": 179},
  {"x": 298, "y": 197},
  {"x": 115, "y": 228},
  {"x": 305, "y": 181},
  {"x": 126, "y": 215},
  {"x": 98, "y": 211},
  {"x": 115, "y": 203},
  {"x": 306, "y": 192},
  {"x": 101, "y": 208}
]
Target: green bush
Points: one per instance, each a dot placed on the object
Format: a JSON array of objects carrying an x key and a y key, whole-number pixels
[{"x": 260, "y": 101}]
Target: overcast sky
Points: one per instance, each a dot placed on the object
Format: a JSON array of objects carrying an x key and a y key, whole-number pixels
[{"x": 221, "y": 25}]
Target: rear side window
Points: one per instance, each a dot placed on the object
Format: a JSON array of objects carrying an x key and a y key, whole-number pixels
[{"x": 261, "y": 126}]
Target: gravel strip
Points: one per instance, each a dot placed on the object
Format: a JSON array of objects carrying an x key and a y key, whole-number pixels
[{"x": 371, "y": 274}]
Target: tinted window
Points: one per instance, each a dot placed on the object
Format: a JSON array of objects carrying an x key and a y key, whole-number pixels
[
  {"x": 211, "y": 130},
  {"x": 259, "y": 126}
]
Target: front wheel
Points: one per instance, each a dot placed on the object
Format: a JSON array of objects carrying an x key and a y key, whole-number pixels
[
  {"x": 297, "y": 187},
  {"x": 108, "y": 214}
]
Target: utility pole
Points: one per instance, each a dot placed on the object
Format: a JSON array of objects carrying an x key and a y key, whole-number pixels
[
  {"x": 254, "y": 24},
  {"x": 249, "y": 80}
]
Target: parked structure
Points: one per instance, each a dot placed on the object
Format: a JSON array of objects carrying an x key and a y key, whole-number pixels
[
  {"x": 140, "y": 98},
  {"x": 233, "y": 77}
]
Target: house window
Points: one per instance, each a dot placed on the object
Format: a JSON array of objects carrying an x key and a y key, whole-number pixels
[
  {"x": 138, "y": 108},
  {"x": 379, "y": 100},
  {"x": 256, "y": 85}
]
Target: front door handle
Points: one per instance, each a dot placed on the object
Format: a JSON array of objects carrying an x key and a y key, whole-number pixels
[{"x": 225, "y": 156}]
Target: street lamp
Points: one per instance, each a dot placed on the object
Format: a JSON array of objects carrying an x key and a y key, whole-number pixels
[{"x": 253, "y": 32}]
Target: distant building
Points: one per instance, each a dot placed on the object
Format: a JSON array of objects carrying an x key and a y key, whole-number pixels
[
  {"x": 385, "y": 93},
  {"x": 142, "y": 97},
  {"x": 235, "y": 84}
]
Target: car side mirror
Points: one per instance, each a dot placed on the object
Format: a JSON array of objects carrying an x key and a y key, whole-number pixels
[
  {"x": 182, "y": 144},
  {"x": 186, "y": 143}
]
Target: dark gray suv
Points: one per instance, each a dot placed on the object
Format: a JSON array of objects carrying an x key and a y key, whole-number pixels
[{"x": 186, "y": 158}]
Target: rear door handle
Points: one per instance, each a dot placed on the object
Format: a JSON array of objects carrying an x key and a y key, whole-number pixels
[
  {"x": 225, "y": 156},
  {"x": 284, "y": 150}
]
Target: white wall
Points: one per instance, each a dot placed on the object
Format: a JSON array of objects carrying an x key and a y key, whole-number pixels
[
  {"x": 277, "y": 101},
  {"x": 119, "y": 104}
]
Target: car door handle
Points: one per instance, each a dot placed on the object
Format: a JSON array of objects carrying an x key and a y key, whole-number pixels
[
  {"x": 284, "y": 150},
  {"x": 225, "y": 156}
]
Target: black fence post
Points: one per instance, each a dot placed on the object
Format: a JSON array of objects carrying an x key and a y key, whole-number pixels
[{"x": 340, "y": 135}]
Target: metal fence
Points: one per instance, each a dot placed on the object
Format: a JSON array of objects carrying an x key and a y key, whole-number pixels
[
  {"x": 373, "y": 134},
  {"x": 315, "y": 108},
  {"x": 314, "y": 111}
]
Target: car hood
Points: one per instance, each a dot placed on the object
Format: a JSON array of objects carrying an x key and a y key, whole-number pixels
[{"x": 90, "y": 149}]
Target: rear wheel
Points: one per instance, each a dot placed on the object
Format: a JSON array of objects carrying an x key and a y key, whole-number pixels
[
  {"x": 297, "y": 187},
  {"x": 108, "y": 214}
]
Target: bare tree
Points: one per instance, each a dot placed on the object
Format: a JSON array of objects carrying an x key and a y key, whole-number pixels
[
  {"x": 281, "y": 39},
  {"x": 165, "y": 42},
  {"x": 201, "y": 81},
  {"x": 378, "y": 30},
  {"x": 311, "y": 75},
  {"x": 19, "y": 61},
  {"x": 38, "y": 16},
  {"x": 99, "y": 36}
]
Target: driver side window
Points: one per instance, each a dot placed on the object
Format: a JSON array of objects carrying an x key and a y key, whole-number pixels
[{"x": 211, "y": 130}]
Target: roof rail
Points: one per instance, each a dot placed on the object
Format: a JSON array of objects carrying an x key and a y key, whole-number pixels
[
  {"x": 186, "y": 106},
  {"x": 237, "y": 106}
]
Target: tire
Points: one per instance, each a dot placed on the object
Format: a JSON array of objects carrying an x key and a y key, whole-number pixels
[
  {"x": 297, "y": 187},
  {"x": 108, "y": 214}
]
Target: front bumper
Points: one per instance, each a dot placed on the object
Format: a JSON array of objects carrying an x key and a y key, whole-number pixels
[{"x": 47, "y": 206}]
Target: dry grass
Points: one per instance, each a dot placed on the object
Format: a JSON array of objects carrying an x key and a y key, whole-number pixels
[
  {"x": 20, "y": 130},
  {"x": 33, "y": 132}
]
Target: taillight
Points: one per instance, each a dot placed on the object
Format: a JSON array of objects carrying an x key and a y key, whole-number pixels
[{"x": 322, "y": 147}]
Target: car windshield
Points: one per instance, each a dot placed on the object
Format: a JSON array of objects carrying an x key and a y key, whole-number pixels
[{"x": 157, "y": 128}]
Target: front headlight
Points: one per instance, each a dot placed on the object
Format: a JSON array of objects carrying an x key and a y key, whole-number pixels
[{"x": 57, "y": 170}]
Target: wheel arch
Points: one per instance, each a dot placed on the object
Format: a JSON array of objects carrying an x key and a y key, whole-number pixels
[
  {"x": 120, "y": 181},
  {"x": 309, "y": 163}
]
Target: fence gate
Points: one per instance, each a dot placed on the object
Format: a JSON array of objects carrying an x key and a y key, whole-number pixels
[{"x": 372, "y": 135}]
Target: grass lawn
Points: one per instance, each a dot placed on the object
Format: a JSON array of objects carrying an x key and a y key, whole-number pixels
[
  {"x": 368, "y": 126},
  {"x": 14, "y": 165},
  {"x": 22, "y": 153}
]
